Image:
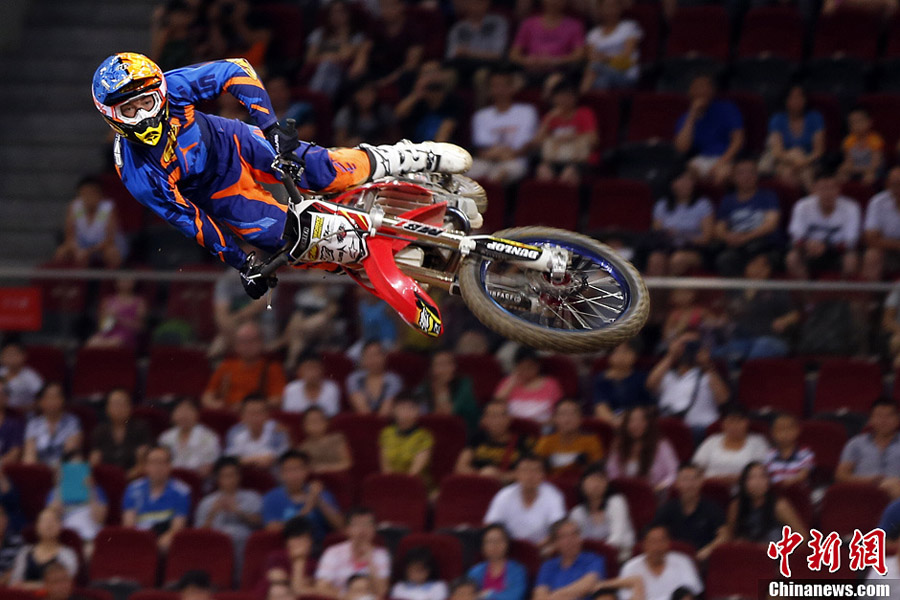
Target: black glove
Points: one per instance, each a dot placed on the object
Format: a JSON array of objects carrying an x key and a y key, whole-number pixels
[
  {"x": 283, "y": 139},
  {"x": 254, "y": 283}
]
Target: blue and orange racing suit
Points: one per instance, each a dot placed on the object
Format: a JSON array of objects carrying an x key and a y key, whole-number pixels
[{"x": 204, "y": 177}]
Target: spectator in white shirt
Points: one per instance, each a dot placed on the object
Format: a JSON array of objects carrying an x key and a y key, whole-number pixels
[
  {"x": 193, "y": 446},
  {"x": 420, "y": 578},
  {"x": 502, "y": 132},
  {"x": 724, "y": 455},
  {"x": 661, "y": 570},
  {"x": 22, "y": 382},
  {"x": 824, "y": 232},
  {"x": 357, "y": 556},
  {"x": 613, "y": 49},
  {"x": 882, "y": 230},
  {"x": 311, "y": 388},
  {"x": 257, "y": 440},
  {"x": 687, "y": 383},
  {"x": 530, "y": 506}
]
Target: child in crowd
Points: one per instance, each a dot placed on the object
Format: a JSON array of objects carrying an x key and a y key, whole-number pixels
[
  {"x": 420, "y": 580},
  {"x": 863, "y": 149}
]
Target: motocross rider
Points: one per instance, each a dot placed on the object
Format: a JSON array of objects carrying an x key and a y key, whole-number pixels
[{"x": 203, "y": 173}]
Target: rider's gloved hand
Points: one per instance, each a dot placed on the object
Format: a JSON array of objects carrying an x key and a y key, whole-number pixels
[
  {"x": 254, "y": 283},
  {"x": 283, "y": 139}
]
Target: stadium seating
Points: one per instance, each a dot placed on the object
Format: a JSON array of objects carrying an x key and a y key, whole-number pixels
[
  {"x": 176, "y": 371},
  {"x": 532, "y": 208},
  {"x": 412, "y": 367},
  {"x": 201, "y": 549},
  {"x": 126, "y": 555},
  {"x": 851, "y": 505},
  {"x": 485, "y": 372},
  {"x": 654, "y": 116},
  {"x": 771, "y": 31},
  {"x": 449, "y": 433},
  {"x": 679, "y": 435},
  {"x": 463, "y": 501},
  {"x": 609, "y": 553},
  {"x": 772, "y": 385},
  {"x": 113, "y": 481},
  {"x": 361, "y": 433},
  {"x": 98, "y": 371},
  {"x": 734, "y": 569},
  {"x": 34, "y": 482},
  {"x": 641, "y": 500},
  {"x": 49, "y": 362},
  {"x": 620, "y": 205},
  {"x": 260, "y": 544},
  {"x": 826, "y": 439},
  {"x": 847, "y": 385},
  {"x": 699, "y": 30},
  {"x": 446, "y": 550},
  {"x": 396, "y": 500},
  {"x": 846, "y": 33}
]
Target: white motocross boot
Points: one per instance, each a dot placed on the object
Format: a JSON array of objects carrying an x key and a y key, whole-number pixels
[{"x": 407, "y": 157}]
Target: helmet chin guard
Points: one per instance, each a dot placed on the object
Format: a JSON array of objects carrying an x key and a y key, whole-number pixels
[{"x": 123, "y": 78}]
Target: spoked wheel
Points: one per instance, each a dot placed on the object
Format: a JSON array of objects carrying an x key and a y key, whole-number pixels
[{"x": 599, "y": 302}]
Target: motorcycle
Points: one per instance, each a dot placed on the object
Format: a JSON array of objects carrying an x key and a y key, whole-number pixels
[{"x": 547, "y": 288}]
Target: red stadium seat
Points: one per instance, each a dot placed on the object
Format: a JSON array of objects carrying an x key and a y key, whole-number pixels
[
  {"x": 699, "y": 30},
  {"x": 602, "y": 429},
  {"x": 768, "y": 385},
  {"x": 156, "y": 419},
  {"x": 756, "y": 118},
  {"x": 192, "y": 302},
  {"x": 154, "y": 595},
  {"x": 788, "y": 196},
  {"x": 124, "y": 554},
  {"x": 194, "y": 481},
  {"x": 847, "y": 385},
  {"x": 718, "y": 491},
  {"x": 219, "y": 420},
  {"x": 15, "y": 594},
  {"x": 609, "y": 553},
  {"x": 396, "y": 499},
  {"x": 101, "y": 370},
  {"x": 654, "y": 116},
  {"x": 337, "y": 366},
  {"x": 851, "y": 505},
  {"x": 799, "y": 496},
  {"x": 293, "y": 423},
  {"x": 257, "y": 479},
  {"x": 679, "y": 435},
  {"x": 463, "y": 501},
  {"x": 259, "y": 545},
  {"x": 620, "y": 204},
  {"x": 859, "y": 191},
  {"x": 548, "y": 203},
  {"x": 449, "y": 432},
  {"x": 175, "y": 371},
  {"x": 361, "y": 432},
  {"x": 201, "y": 549},
  {"x": 525, "y": 427},
  {"x": 48, "y": 361},
  {"x": 445, "y": 548},
  {"x": 528, "y": 555},
  {"x": 605, "y": 106},
  {"x": 884, "y": 109},
  {"x": 113, "y": 481},
  {"x": 847, "y": 33},
  {"x": 826, "y": 439},
  {"x": 641, "y": 500},
  {"x": 321, "y": 105},
  {"x": 495, "y": 215},
  {"x": 567, "y": 483},
  {"x": 564, "y": 369},
  {"x": 33, "y": 482},
  {"x": 412, "y": 367},
  {"x": 772, "y": 31},
  {"x": 62, "y": 296},
  {"x": 341, "y": 485},
  {"x": 649, "y": 17},
  {"x": 735, "y": 569},
  {"x": 828, "y": 105},
  {"x": 485, "y": 372}
]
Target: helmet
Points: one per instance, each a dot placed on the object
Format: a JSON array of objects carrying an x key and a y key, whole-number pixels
[{"x": 122, "y": 78}]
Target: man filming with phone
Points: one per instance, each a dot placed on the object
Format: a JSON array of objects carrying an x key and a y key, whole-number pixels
[{"x": 687, "y": 384}]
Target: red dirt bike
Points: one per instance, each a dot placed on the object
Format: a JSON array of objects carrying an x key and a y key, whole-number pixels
[{"x": 547, "y": 288}]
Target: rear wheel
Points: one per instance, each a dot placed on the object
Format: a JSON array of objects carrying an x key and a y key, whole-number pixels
[{"x": 600, "y": 302}]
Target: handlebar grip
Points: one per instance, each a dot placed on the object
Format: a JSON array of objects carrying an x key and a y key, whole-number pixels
[{"x": 268, "y": 269}]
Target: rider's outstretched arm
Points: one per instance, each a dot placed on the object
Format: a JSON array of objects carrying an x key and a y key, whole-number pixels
[
  {"x": 206, "y": 81},
  {"x": 159, "y": 194}
]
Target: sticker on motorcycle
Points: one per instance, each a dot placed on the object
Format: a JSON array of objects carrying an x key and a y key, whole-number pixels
[
  {"x": 427, "y": 318},
  {"x": 512, "y": 249},
  {"x": 335, "y": 239}
]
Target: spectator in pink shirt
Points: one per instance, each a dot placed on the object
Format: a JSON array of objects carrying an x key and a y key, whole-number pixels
[
  {"x": 529, "y": 393},
  {"x": 549, "y": 42}
]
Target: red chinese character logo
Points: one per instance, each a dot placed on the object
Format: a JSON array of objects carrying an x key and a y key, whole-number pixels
[
  {"x": 782, "y": 549},
  {"x": 826, "y": 551},
  {"x": 868, "y": 551}
]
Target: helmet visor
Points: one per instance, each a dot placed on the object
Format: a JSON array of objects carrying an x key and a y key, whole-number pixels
[{"x": 136, "y": 109}]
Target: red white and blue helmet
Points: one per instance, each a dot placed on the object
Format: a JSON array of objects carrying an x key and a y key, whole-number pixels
[{"x": 122, "y": 78}]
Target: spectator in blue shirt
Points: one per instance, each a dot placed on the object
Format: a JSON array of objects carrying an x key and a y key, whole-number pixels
[
  {"x": 711, "y": 132},
  {"x": 12, "y": 431},
  {"x": 297, "y": 496},
  {"x": 157, "y": 502},
  {"x": 498, "y": 577},
  {"x": 796, "y": 141},
  {"x": 54, "y": 433},
  {"x": 573, "y": 574},
  {"x": 747, "y": 221}
]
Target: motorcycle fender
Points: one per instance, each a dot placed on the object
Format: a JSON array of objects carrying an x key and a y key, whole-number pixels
[{"x": 404, "y": 295}]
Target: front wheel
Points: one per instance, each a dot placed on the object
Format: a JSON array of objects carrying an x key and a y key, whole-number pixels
[{"x": 600, "y": 302}]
